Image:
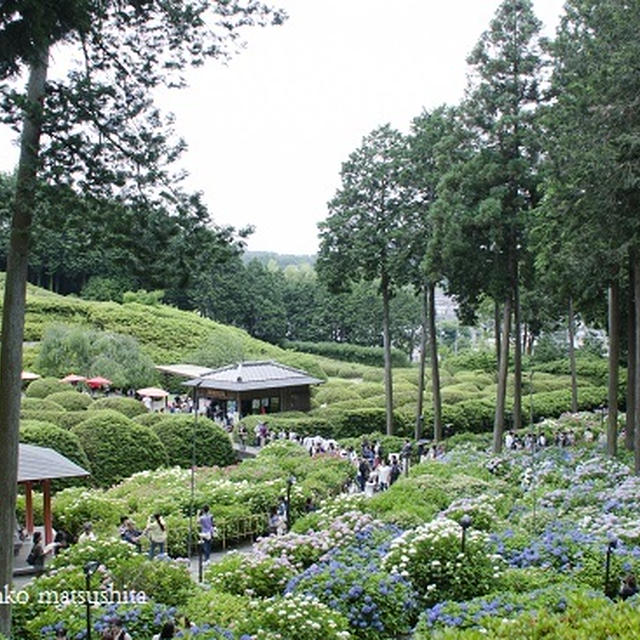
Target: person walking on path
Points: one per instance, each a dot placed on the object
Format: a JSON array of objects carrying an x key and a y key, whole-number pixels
[
  {"x": 206, "y": 531},
  {"x": 156, "y": 530}
]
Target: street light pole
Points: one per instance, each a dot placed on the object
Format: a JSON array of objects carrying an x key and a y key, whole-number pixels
[
  {"x": 610, "y": 547},
  {"x": 89, "y": 569},
  {"x": 465, "y": 523},
  {"x": 290, "y": 481},
  {"x": 193, "y": 466}
]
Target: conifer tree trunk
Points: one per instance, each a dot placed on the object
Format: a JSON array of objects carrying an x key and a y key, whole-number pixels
[
  {"x": 614, "y": 360},
  {"x": 636, "y": 377},
  {"x": 388, "y": 382},
  {"x": 631, "y": 357},
  {"x": 498, "y": 423},
  {"x": 572, "y": 357},
  {"x": 517, "y": 359},
  {"x": 496, "y": 329},
  {"x": 435, "y": 367},
  {"x": 13, "y": 321},
  {"x": 422, "y": 363}
]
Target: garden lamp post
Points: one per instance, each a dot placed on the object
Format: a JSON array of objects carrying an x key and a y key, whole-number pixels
[
  {"x": 89, "y": 569},
  {"x": 465, "y": 523},
  {"x": 290, "y": 481},
  {"x": 607, "y": 569},
  {"x": 193, "y": 466}
]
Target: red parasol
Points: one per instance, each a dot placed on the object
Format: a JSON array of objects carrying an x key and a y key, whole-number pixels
[{"x": 97, "y": 382}]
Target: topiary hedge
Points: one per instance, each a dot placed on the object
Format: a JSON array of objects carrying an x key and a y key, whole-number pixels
[
  {"x": 355, "y": 422},
  {"x": 117, "y": 447},
  {"x": 335, "y": 392},
  {"x": 40, "y": 404},
  {"x": 64, "y": 419},
  {"x": 213, "y": 445},
  {"x": 44, "y": 387},
  {"x": 150, "y": 418},
  {"x": 129, "y": 407},
  {"x": 71, "y": 400},
  {"x": 44, "y": 434},
  {"x": 373, "y": 356}
]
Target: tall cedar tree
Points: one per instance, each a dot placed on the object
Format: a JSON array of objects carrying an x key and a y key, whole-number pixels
[
  {"x": 98, "y": 131},
  {"x": 360, "y": 239},
  {"x": 489, "y": 194},
  {"x": 424, "y": 170},
  {"x": 594, "y": 140}
]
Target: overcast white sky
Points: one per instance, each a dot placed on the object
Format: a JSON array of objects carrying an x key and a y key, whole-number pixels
[{"x": 267, "y": 134}]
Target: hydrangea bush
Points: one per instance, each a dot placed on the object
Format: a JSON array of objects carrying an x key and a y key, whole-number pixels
[{"x": 431, "y": 558}]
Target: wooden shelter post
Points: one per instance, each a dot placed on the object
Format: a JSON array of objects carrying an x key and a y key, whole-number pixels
[
  {"x": 28, "y": 507},
  {"x": 48, "y": 523}
]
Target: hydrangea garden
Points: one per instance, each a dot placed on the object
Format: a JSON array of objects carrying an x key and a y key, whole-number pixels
[{"x": 388, "y": 567}]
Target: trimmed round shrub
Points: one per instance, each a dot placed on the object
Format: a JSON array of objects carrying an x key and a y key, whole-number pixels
[
  {"x": 44, "y": 387},
  {"x": 71, "y": 400},
  {"x": 335, "y": 392},
  {"x": 150, "y": 418},
  {"x": 118, "y": 447},
  {"x": 44, "y": 434},
  {"x": 129, "y": 407},
  {"x": 40, "y": 404},
  {"x": 458, "y": 392},
  {"x": 177, "y": 431},
  {"x": 368, "y": 389},
  {"x": 61, "y": 418}
]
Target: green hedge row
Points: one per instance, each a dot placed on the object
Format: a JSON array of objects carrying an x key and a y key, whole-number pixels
[
  {"x": 373, "y": 356},
  {"x": 596, "y": 370}
]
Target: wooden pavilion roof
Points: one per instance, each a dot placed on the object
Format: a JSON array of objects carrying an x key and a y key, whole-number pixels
[
  {"x": 249, "y": 376},
  {"x": 41, "y": 463}
]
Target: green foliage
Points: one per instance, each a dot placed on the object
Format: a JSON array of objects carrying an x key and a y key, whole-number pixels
[
  {"x": 579, "y": 615},
  {"x": 332, "y": 392},
  {"x": 44, "y": 387},
  {"x": 242, "y": 574},
  {"x": 71, "y": 400},
  {"x": 129, "y": 407},
  {"x": 372, "y": 356},
  {"x": 61, "y": 418},
  {"x": 161, "y": 580},
  {"x": 73, "y": 507},
  {"x": 455, "y": 393},
  {"x": 216, "y": 607},
  {"x": 40, "y": 404},
  {"x": 88, "y": 352},
  {"x": 177, "y": 433},
  {"x": 104, "y": 288},
  {"x": 473, "y": 360},
  {"x": 117, "y": 447},
  {"x": 595, "y": 370},
  {"x": 436, "y": 566},
  {"x": 355, "y": 422},
  {"x": 44, "y": 434},
  {"x": 149, "y": 298},
  {"x": 297, "y": 617}
]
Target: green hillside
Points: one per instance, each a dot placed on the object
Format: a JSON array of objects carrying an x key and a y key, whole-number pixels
[{"x": 166, "y": 334}]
